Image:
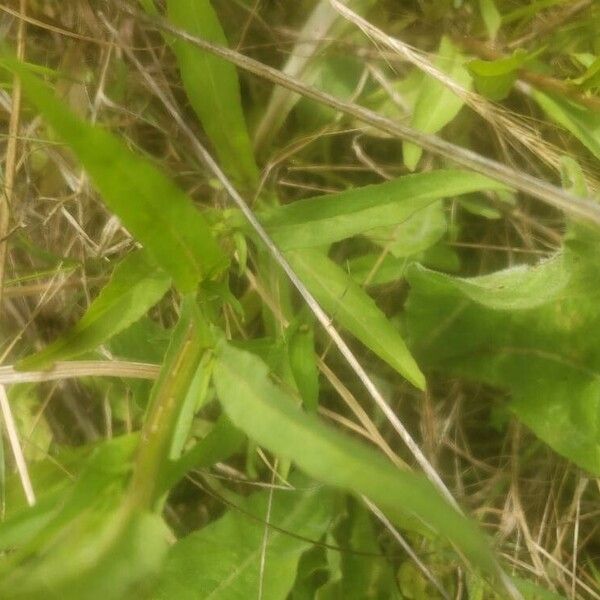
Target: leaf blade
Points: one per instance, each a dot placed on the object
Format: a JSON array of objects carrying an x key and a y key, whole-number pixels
[
  {"x": 436, "y": 104},
  {"x": 223, "y": 559},
  {"x": 213, "y": 89},
  {"x": 135, "y": 286},
  {"x": 272, "y": 419},
  {"x": 326, "y": 219},
  {"x": 355, "y": 310},
  {"x": 148, "y": 203}
]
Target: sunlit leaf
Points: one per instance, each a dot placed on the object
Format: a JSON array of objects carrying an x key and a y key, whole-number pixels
[{"x": 273, "y": 419}]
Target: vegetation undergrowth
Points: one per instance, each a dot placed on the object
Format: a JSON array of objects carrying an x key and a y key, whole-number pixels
[{"x": 299, "y": 300}]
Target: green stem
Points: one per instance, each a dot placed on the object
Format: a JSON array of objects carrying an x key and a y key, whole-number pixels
[{"x": 188, "y": 344}]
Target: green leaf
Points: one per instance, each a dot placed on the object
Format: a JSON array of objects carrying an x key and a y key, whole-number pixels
[
  {"x": 149, "y": 7},
  {"x": 213, "y": 89},
  {"x": 135, "y": 286},
  {"x": 366, "y": 577},
  {"x": 436, "y": 104},
  {"x": 149, "y": 204},
  {"x": 529, "y": 330},
  {"x": 303, "y": 364},
  {"x": 516, "y": 288},
  {"x": 419, "y": 232},
  {"x": 223, "y": 560},
  {"x": 532, "y": 591},
  {"x": 86, "y": 544},
  {"x": 273, "y": 419},
  {"x": 581, "y": 122},
  {"x": 325, "y": 219},
  {"x": 494, "y": 78},
  {"x": 590, "y": 80},
  {"x": 370, "y": 267},
  {"x": 218, "y": 445},
  {"x": 309, "y": 61},
  {"x": 491, "y": 17},
  {"x": 355, "y": 310}
]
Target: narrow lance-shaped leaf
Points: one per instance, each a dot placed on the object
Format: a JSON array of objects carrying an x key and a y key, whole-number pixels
[
  {"x": 213, "y": 89},
  {"x": 219, "y": 444},
  {"x": 135, "y": 286},
  {"x": 348, "y": 304},
  {"x": 491, "y": 17},
  {"x": 326, "y": 219},
  {"x": 148, "y": 203},
  {"x": 273, "y": 419},
  {"x": 582, "y": 122},
  {"x": 306, "y": 59},
  {"x": 303, "y": 364}
]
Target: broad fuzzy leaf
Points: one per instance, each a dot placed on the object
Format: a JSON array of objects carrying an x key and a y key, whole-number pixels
[
  {"x": 530, "y": 330},
  {"x": 212, "y": 87},
  {"x": 136, "y": 285},
  {"x": 273, "y": 419},
  {"x": 148, "y": 203},
  {"x": 223, "y": 559}
]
